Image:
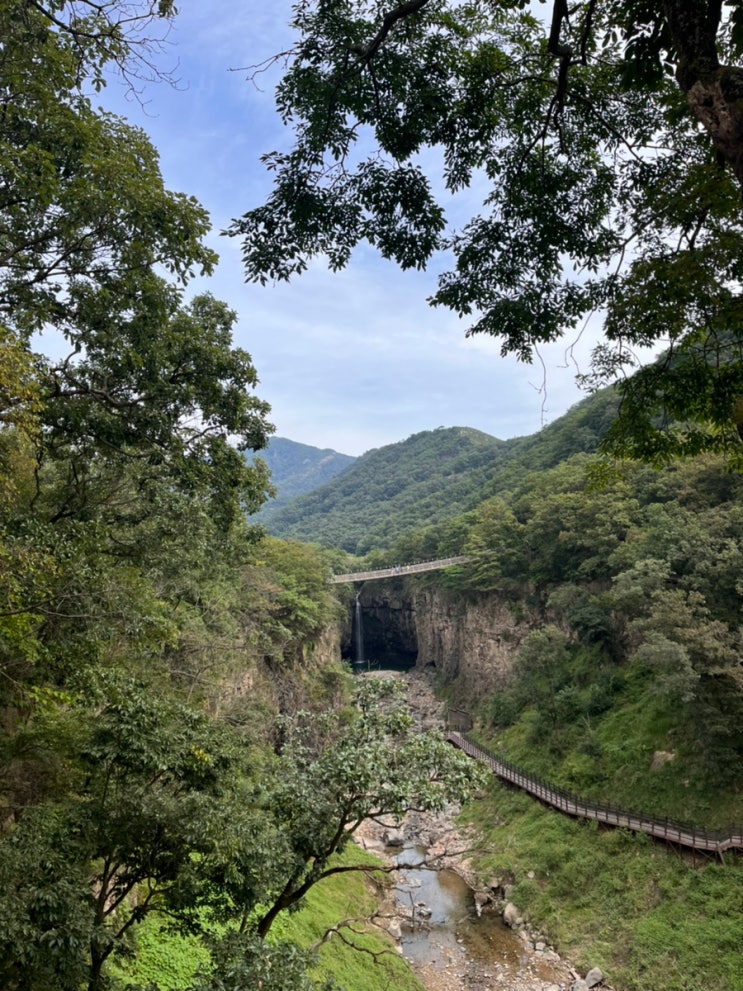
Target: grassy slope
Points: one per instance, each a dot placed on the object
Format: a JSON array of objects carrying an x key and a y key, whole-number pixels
[
  {"x": 653, "y": 920},
  {"x": 609, "y": 757},
  {"x": 375, "y": 965},
  {"x": 344, "y": 897},
  {"x": 649, "y": 916}
]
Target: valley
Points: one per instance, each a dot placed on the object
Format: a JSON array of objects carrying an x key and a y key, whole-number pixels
[
  {"x": 584, "y": 625},
  {"x": 203, "y": 787}
]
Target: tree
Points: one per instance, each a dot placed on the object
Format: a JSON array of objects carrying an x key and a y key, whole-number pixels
[
  {"x": 542, "y": 677},
  {"x": 160, "y": 394},
  {"x": 672, "y": 630},
  {"x": 332, "y": 775},
  {"x": 94, "y": 248},
  {"x": 130, "y": 789},
  {"x": 244, "y": 962},
  {"x": 85, "y": 215},
  {"x": 609, "y": 141}
]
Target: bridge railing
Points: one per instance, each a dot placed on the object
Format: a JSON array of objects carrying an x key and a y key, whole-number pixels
[
  {"x": 397, "y": 570},
  {"x": 672, "y": 831}
]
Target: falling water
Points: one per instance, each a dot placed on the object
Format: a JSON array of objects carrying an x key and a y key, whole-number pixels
[{"x": 358, "y": 633}]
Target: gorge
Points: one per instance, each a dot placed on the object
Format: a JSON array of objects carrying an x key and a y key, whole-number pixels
[
  {"x": 470, "y": 643},
  {"x": 452, "y": 935},
  {"x": 473, "y": 646}
]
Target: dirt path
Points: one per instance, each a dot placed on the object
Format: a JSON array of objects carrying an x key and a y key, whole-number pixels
[{"x": 494, "y": 958}]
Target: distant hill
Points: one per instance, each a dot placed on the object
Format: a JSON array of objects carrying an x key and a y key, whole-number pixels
[
  {"x": 298, "y": 468},
  {"x": 432, "y": 476},
  {"x": 427, "y": 477}
]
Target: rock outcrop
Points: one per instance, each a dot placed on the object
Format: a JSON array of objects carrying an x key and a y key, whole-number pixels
[{"x": 472, "y": 643}]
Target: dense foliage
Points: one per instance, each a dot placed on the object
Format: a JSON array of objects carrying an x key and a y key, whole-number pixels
[
  {"x": 148, "y": 635},
  {"x": 606, "y": 141},
  {"x": 625, "y": 591}
]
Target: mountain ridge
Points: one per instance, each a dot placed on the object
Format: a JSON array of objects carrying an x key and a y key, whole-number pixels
[
  {"x": 432, "y": 476},
  {"x": 298, "y": 468}
]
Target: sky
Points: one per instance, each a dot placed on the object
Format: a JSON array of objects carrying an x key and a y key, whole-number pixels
[{"x": 351, "y": 360}]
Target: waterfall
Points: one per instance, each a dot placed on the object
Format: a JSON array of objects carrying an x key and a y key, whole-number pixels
[{"x": 358, "y": 632}]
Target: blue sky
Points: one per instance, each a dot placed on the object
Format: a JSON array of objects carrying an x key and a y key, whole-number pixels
[{"x": 351, "y": 360}]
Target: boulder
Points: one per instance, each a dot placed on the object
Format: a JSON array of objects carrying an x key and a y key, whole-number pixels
[
  {"x": 423, "y": 910},
  {"x": 511, "y": 915},
  {"x": 393, "y": 837},
  {"x": 594, "y": 976}
]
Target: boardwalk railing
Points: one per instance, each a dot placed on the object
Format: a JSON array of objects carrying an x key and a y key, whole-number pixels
[
  {"x": 401, "y": 569},
  {"x": 684, "y": 834}
]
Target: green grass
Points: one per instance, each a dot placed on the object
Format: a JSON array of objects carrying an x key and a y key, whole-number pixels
[
  {"x": 651, "y": 919},
  {"x": 609, "y": 758},
  {"x": 374, "y": 964},
  {"x": 164, "y": 958},
  {"x": 649, "y": 916}
]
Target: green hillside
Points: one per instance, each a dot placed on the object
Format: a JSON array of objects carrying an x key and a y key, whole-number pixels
[
  {"x": 296, "y": 469},
  {"x": 433, "y": 476},
  {"x": 428, "y": 477}
]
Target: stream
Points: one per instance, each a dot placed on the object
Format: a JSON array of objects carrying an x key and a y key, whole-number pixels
[
  {"x": 443, "y": 925},
  {"x": 432, "y": 913}
]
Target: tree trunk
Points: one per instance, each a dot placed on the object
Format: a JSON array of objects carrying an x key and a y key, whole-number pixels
[{"x": 714, "y": 92}]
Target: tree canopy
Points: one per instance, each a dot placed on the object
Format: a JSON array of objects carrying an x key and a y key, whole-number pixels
[
  {"x": 95, "y": 250},
  {"x": 606, "y": 141}
]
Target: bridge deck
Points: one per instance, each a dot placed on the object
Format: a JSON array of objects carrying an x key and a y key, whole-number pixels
[{"x": 395, "y": 572}]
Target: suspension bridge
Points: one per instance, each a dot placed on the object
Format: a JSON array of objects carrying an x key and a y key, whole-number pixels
[{"x": 397, "y": 570}]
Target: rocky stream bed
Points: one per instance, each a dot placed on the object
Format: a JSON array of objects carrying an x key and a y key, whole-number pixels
[{"x": 457, "y": 935}]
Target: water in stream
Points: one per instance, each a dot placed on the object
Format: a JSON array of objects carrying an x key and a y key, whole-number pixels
[
  {"x": 447, "y": 943},
  {"x": 443, "y": 925}
]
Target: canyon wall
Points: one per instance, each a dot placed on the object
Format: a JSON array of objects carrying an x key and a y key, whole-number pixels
[{"x": 471, "y": 643}]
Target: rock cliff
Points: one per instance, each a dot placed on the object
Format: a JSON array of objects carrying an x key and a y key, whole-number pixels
[{"x": 470, "y": 643}]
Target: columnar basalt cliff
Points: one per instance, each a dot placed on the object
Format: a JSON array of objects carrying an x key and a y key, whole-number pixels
[{"x": 472, "y": 644}]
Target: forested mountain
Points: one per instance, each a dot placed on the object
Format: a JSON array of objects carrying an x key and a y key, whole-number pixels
[
  {"x": 426, "y": 477},
  {"x": 298, "y": 468},
  {"x": 433, "y": 476}
]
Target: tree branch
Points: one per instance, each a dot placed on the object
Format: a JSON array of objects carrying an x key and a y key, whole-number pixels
[
  {"x": 367, "y": 52},
  {"x": 563, "y": 52},
  {"x": 348, "y": 924}
]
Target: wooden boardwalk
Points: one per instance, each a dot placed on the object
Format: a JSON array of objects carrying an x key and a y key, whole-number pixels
[
  {"x": 683, "y": 834},
  {"x": 397, "y": 571}
]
